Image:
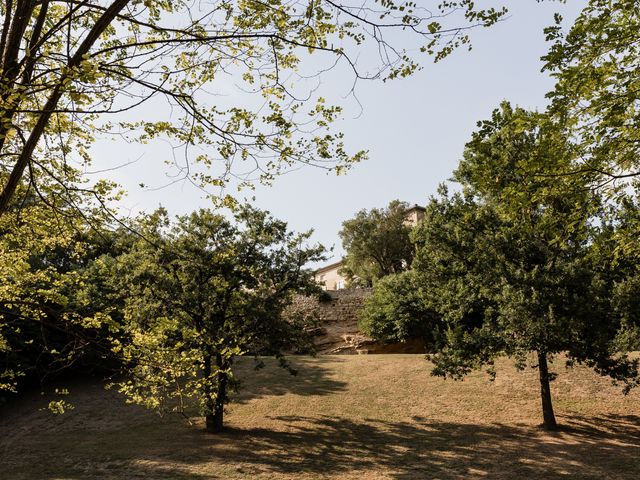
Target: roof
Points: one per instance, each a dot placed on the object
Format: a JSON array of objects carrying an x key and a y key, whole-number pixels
[
  {"x": 331, "y": 266},
  {"x": 416, "y": 207}
]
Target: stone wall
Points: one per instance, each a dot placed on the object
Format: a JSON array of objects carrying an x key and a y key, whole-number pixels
[{"x": 337, "y": 333}]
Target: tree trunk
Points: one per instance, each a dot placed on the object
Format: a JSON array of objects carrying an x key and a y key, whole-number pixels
[
  {"x": 214, "y": 421},
  {"x": 215, "y": 407},
  {"x": 549, "y": 419}
]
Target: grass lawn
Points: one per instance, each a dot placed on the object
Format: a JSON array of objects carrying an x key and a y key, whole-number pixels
[{"x": 369, "y": 416}]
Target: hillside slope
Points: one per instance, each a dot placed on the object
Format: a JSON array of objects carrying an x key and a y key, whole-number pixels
[{"x": 370, "y": 417}]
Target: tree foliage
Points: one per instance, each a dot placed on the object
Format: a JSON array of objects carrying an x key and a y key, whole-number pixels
[
  {"x": 377, "y": 243},
  {"x": 595, "y": 100},
  {"x": 73, "y": 71},
  {"x": 47, "y": 323},
  {"x": 597, "y": 96},
  {"x": 200, "y": 292}
]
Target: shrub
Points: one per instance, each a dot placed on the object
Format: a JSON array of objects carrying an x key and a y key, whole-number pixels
[{"x": 398, "y": 310}]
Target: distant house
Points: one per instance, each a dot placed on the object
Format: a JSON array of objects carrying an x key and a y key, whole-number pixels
[
  {"x": 415, "y": 215},
  {"x": 329, "y": 276}
]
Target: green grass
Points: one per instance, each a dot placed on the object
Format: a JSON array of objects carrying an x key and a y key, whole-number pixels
[{"x": 370, "y": 417}]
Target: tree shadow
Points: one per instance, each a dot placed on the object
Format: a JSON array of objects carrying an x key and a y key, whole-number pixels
[
  {"x": 312, "y": 378},
  {"x": 311, "y": 447},
  {"x": 609, "y": 426},
  {"x": 589, "y": 448}
]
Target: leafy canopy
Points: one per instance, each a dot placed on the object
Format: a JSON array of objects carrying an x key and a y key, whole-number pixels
[
  {"x": 398, "y": 310},
  {"x": 596, "y": 96},
  {"x": 47, "y": 324},
  {"x": 377, "y": 243}
]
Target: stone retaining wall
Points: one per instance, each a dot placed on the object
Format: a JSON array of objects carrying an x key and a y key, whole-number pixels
[{"x": 337, "y": 331}]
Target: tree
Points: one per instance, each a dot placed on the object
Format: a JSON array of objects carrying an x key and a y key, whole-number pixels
[
  {"x": 398, "y": 310},
  {"x": 71, "y": 70},
  {"x": 376, "y": 243},
  {"x": 201, "y": 292},
  {"x": 46, "y": 325},
  {"x": 510, "y": 263},
  {"x": 596, "y": 95}
]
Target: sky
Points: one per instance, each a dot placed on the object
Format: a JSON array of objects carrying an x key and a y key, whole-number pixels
[{"x": 414, "y": 130}]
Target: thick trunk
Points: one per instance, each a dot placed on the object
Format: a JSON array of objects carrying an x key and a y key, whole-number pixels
[
  {"x": 549, "y": 419},
  {"x": 215, "y": 403}
]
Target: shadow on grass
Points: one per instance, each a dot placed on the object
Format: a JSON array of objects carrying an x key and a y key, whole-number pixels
[
  {"x": 588, "y": 448},
  {"x": 606, "y": 426},
  {"x": 606, "y": 447},
  {"x": 311, "y": 378}
]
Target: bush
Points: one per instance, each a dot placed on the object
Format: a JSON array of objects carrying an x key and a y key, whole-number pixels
[{"x": 398, "y": 310}]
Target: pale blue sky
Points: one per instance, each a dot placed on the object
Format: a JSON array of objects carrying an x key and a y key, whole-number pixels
[{"x": 415, "y": 130}]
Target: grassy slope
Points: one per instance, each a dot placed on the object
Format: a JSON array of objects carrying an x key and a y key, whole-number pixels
[{"x": 341, "y": 417}]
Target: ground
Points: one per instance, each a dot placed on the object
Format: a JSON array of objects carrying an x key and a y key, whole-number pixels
[{"x": 369, "y": 417}]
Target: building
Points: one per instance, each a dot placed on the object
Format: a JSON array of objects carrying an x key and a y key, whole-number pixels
[
  {"x": 329, "y": 276},
  {"x": 415, "y": 215}
]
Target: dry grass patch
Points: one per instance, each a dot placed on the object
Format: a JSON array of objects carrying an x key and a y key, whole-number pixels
[{"x": 341, "y": 417}]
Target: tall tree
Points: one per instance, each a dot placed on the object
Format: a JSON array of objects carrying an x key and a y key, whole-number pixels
[
  {"x": 510, "y": 264},
  {"x": 377, "y": 243},
  {"x": 201, "y": 292},
  {"x": 71, "y": 70}
]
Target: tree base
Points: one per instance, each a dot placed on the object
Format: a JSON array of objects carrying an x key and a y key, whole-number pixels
[
  {"x": 549, "y": 428},
  {"x": 213, "y": 424}
]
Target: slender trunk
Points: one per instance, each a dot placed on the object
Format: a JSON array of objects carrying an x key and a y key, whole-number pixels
[
  {"x": 19, "y": 22},
  {"x": 16, "y": 23},
  {"x": 215, "y": 406},
  {"x": 31, "y": 55},
  {"x": 8, "y": 13},
  {"x": 38, "y": 129},
  {"x": 549, "y": 419}
]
